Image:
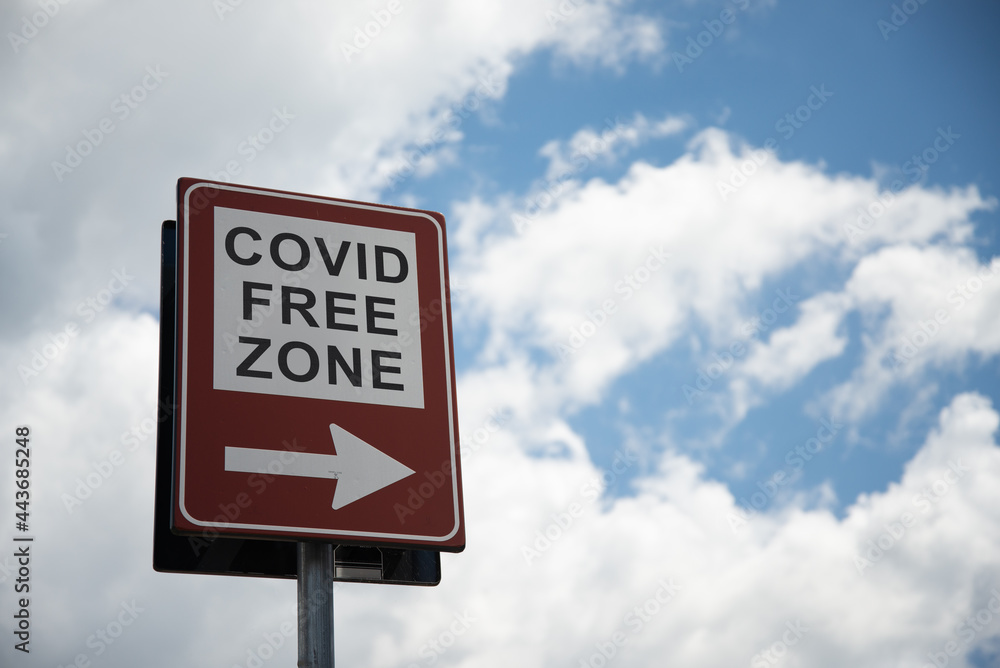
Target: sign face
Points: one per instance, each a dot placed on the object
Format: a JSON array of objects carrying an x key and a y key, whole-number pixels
[{"x": 315, "y": 371}]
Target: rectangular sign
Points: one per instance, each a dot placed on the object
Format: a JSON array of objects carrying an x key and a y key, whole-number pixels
[{"x": 315, "y": 370}]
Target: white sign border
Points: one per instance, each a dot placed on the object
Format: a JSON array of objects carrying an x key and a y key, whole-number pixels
[{"x": 184, "y": 369}]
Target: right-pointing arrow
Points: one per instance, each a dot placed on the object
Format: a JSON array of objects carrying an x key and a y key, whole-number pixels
[{"x": 359, "y": 468}]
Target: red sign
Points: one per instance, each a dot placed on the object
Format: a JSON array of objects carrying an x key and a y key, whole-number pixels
[{"x": 315, "y": 370}]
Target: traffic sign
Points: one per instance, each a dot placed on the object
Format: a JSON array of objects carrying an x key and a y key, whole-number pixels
[
  {"x": 256, "y": 557},
  {"x": 315, "y": 371}
]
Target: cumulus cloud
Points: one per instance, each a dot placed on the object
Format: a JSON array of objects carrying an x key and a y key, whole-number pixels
[
  {"x": 937, "y": 308},
  {"x": 613, "y": 274},
  {"x": 934, "y": 532},
  {"x": 568, "y": 159},
  {"x": 435, "y": 64},
  {"x": 790, "y": 352}
]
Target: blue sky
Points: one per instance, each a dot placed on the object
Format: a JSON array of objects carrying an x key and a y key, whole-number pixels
[
  {"x": 890, "y": 95},
  {"x": 890, "y": 90},
  {"x": 661, "y": 280}
]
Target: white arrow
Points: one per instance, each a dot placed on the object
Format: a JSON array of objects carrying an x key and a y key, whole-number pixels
[{"x": 358, "y": 468}]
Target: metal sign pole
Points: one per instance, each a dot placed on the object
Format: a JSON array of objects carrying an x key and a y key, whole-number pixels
[{"x": 315, "y": 598}]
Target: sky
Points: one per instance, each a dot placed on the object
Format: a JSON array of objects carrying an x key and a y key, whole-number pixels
[{"x": 726, "y": 302}]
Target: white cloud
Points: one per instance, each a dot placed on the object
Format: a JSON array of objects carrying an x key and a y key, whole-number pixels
[
  {"x": 933, "y": 307},
  {"x": 586, "y": 32},
  {"x": 589, "y": 285},
  {"x": 222, "y": 77},
  {"x": 568, "y": 159},
  {"x": 793, "y": 565},
  {"x": 791, "y": 352}
]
